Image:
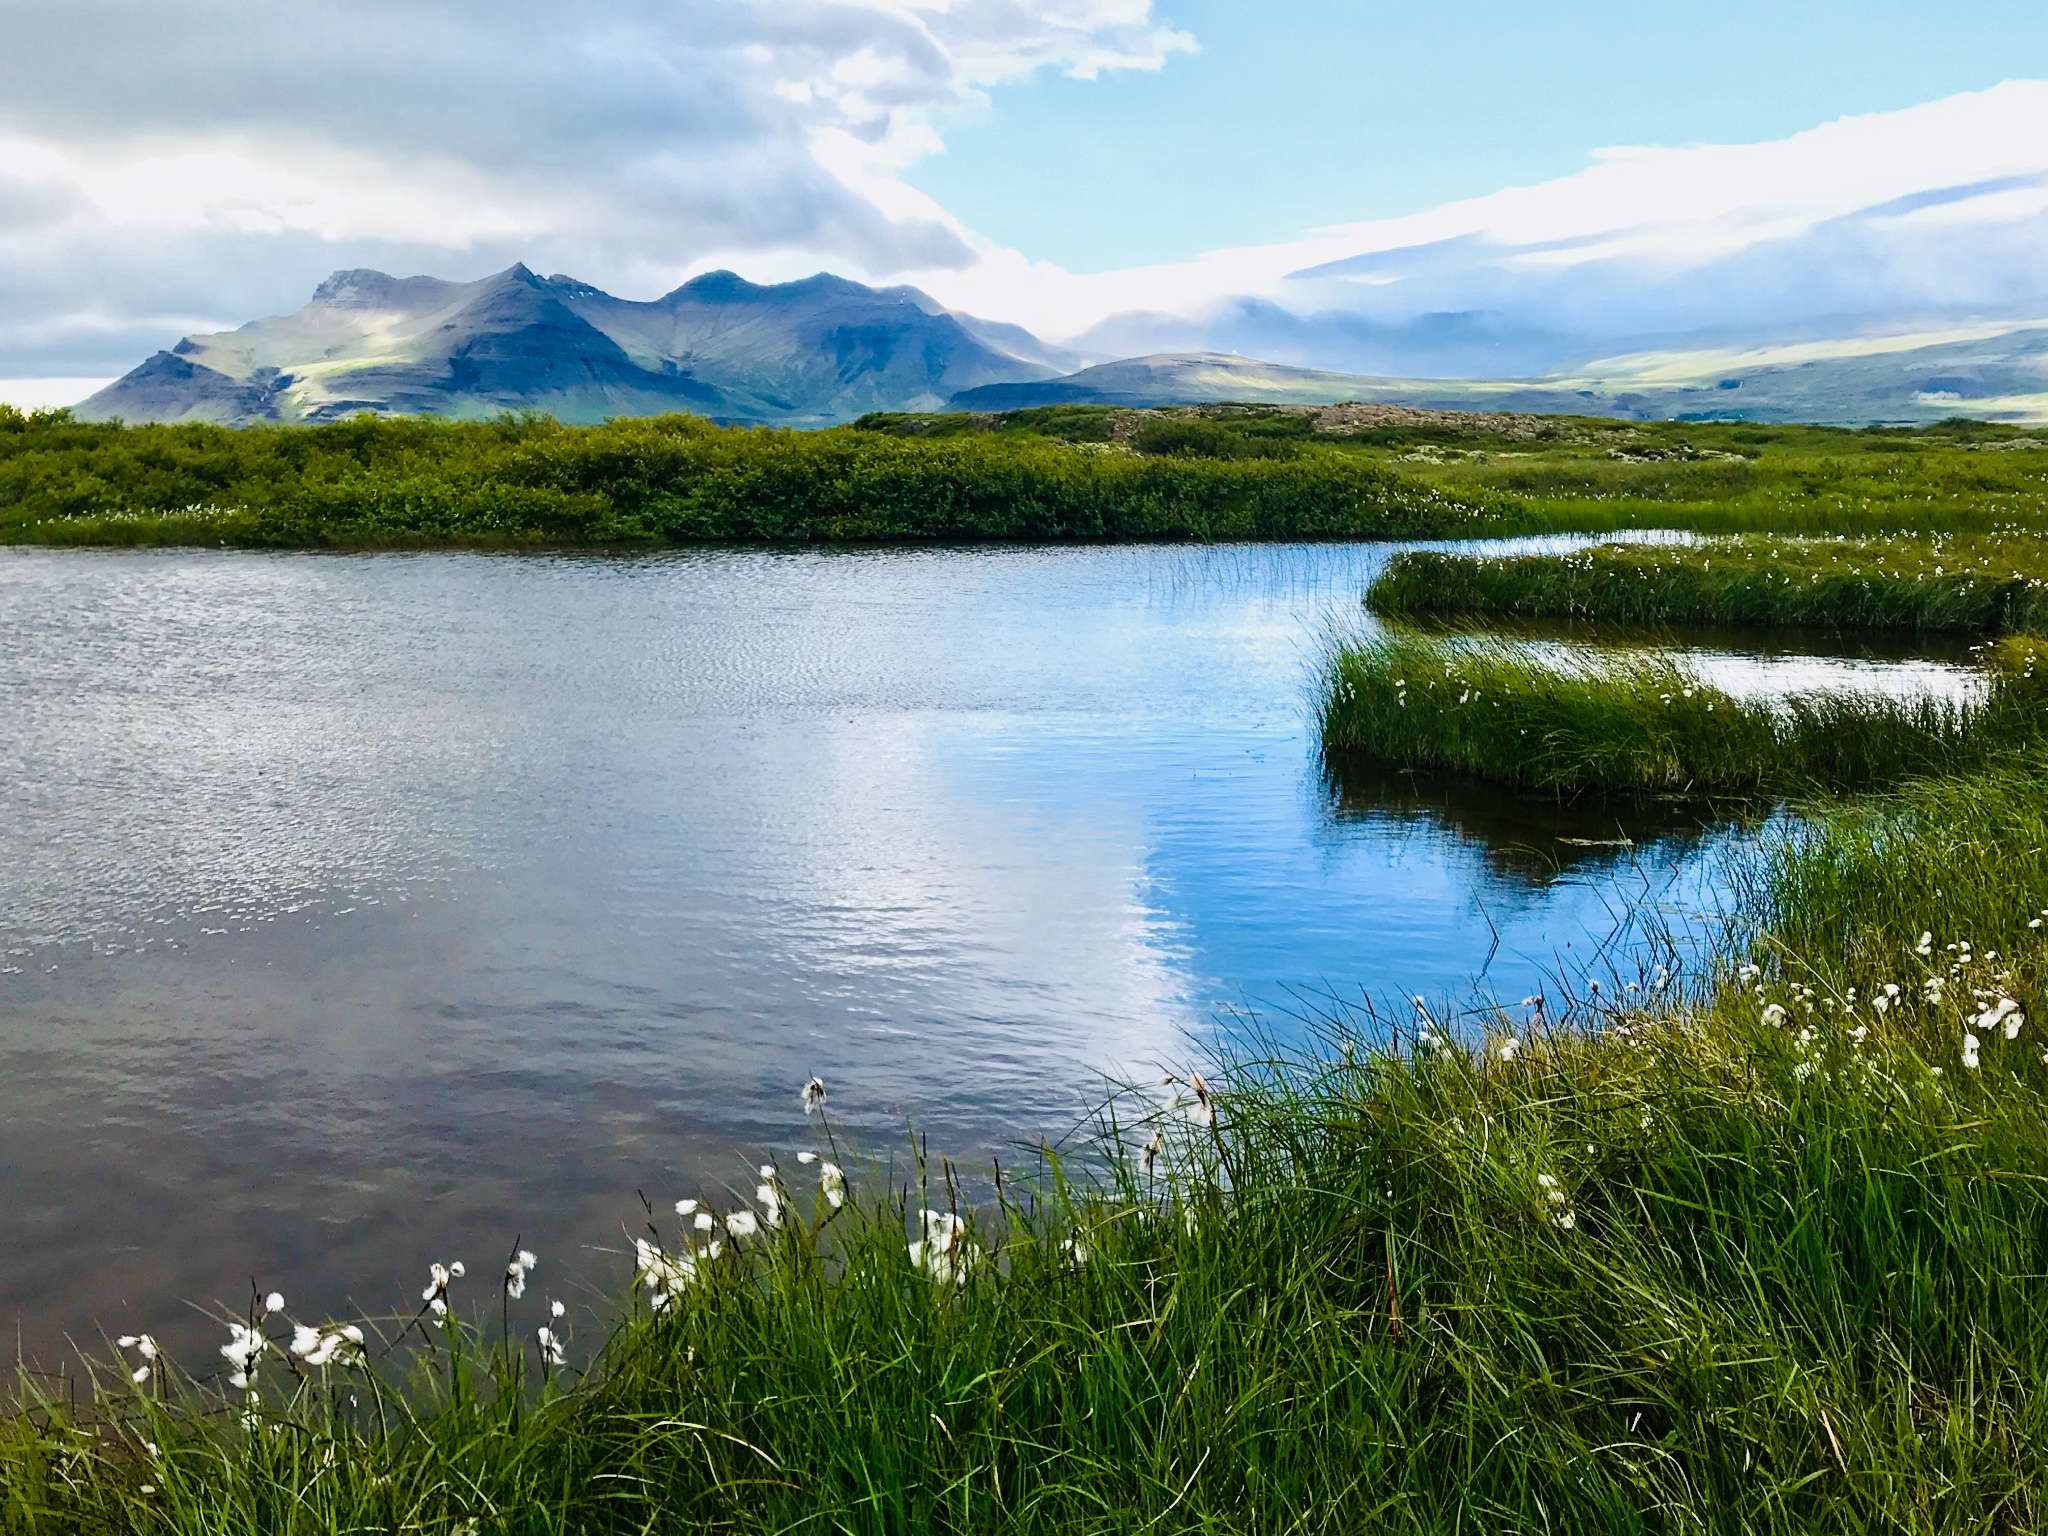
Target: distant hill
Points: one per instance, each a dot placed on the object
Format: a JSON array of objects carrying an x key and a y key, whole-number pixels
[
  {"x": 1995, "y": 370},
  {"x": 806, "y": 353}
]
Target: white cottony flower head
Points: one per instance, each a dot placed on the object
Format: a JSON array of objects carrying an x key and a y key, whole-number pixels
[
  {"x": 813, "y": 1096},
  {"x": 318, "y": 1346},
  {"x": 1925, "y": 947},
  {"x": 556, "y": 1309},
  {"x": 143, "y": 1344},
  {"x": 274, "y": 1302},
  {"x": 832, "y": 1184},
  {"x": 244, "y": 1346},
  {"x": 2004, "y": 1012},
  {"x": 438, "y": 1276},
  {"x": 1775, "y": 1015},
  {"x": 771, "y": 1204},
  {"x": 551, "y": 1350},
  {"x": 742, "y": 1224},
  {"x": 1970, "y": 1052},
  {"x": 438, "y": 1307},
  {"x": 943, "y": 1250},
  {"x": 456, "y": 1270},
  {"x": 767, "y": 1170},
  {"x": 807, "y": 1158},
  {"x": 663, "y": 1274},
  {"x": 526, "y": 1260},
  {"x": 703, "y": 1221},
  {"x": 685, "y": 1207},
  {"x": 1153, "y": 1147},
  {"x": 1509, "y": 1047},
  {"x": 1076, "y": 1251}
]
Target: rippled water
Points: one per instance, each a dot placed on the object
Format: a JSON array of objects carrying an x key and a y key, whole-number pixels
[{"x": 357, "y": 911}]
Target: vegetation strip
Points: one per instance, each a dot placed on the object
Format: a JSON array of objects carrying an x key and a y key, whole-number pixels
[
  {"x": 1620, "y": 722},
  {"x": 671, "y": 480},
  {"x": 1972, "y": 585}
]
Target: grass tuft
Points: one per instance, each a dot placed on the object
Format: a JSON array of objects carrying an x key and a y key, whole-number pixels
[{"x": 1620, "y": 722}]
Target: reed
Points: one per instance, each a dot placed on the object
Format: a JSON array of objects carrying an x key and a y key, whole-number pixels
[
  {"x": 1620, "y": 722},
  {"x": 1983, "y": 585}
]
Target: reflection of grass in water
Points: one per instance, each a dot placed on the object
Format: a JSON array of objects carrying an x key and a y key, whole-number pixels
[
  {"x": 1974, "y": 586},
  {"x": 1528, "y": 839},
  {"x": 1620, "y": 722},
  {"x": 1763, "y": 1254}
]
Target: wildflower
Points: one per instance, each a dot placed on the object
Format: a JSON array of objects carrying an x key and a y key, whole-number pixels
[
  {"x": 943, "y": 1249},
  {"x": 318, "y": 1346},
  {"x": 145, "y": 1349},
  {"x": 1508, "y": 1047},
  {"x": 1548, "y": 1184},
  {"x": 1153, "y": 1148},
  {"x": 523, "y": 1263},
  {"x": 1076, "y": 1251},
  {"x": 685, "y": 1207},
  {"x": 813, "y": 1096},
  {"x": 771, "y": 1204},
  {"x": 551, "y": 1351},
  {"x": 807, "y": 1158},
  {"x": 556, "y": 1309},
  {"x": 1748, "y": 974},
  {"x": 832, "y": 1184},
  {"x": 1932, "y": 989},
  {"x": 243, "y": 1350},
  {"x": 663, "y": 1274},
  {"x": 1774, "y": 1015},
  {"x": 1970, "y": 1052},
  {"x": 2005, "y": 1011},
  {"x": 742, "y": 1224},
  {"x": 436, "y": 1293},
  {"x": 274, "y": 1302},
  {"x": 703, "y": 1220},
  {"x": 1925, "y": 947},
  {"x": 1203, "y": 1111}
]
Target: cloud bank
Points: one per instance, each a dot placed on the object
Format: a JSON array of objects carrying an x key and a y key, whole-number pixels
[
  {"x": 1940, "y": 208},
  {"x": 167, "y": 165}
]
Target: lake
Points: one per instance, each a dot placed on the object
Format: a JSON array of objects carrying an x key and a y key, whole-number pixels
[{"x": 359, "y": 911}]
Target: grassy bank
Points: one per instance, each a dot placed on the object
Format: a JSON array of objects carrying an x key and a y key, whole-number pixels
[
  {"x": 1756, "y": 1255},
  {"x": 668, "y": 480},
  {"x": 1975, "y": 585},
  {"x": 1611, "y": 722}
]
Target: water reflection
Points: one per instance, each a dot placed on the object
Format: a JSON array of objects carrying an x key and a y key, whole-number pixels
[{"x": 357, "y": 912}]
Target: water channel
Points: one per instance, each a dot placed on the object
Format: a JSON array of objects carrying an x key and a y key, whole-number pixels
[{"x": 361, "y": 911}]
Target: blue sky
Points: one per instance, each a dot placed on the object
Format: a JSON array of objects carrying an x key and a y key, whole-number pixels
[{"x": 1302, "y": 113}]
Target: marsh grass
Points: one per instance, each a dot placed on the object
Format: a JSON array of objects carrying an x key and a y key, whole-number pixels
[
  {"x": 1622, "y": 722},
  {"x": 1981, "y": 586},
  {"x": 1758, "y": 1254}
]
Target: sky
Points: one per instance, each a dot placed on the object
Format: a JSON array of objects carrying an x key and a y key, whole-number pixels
[{"x": 1124, "y": 174}]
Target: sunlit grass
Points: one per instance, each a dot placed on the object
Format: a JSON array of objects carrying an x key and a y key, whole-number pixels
[{"x": 1614, "y": 721}]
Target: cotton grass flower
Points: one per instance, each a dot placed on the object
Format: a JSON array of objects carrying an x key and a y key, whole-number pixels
[
  {"x": 1774, "y": 1015},
  {"x": 771, "y": 1204},
  {"x": 742, "y": 1224},
  {"x": 703, "y": 1221},
  {"x": 685, "y": 1207},
  {"x": 1152, "y": 1149},
  {"x": 813, "y": 1096},
  {"x": 244, "y": 1351},
  {"x": 552, "y": 1353},
  {"x": 663, "y": 1274},
  {"x": 1970, "y": 1052},
  {"x": 832, "y": 1184},
  {"x": 1508, "y": 1048},
  {"x": 439, "y": 1276},
  {"x": 807, "y": 1158},
  {"x": 523, "y": 1264},
  {"x": 145, "y": 1348},
  {"x": 2006, "y": 1013},
  {"x": 328, "y": 1346},
  {"x": 943, "y": 1250}
]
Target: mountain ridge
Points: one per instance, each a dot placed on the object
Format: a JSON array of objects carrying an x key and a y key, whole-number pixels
[{"x": 812, "y": 352}]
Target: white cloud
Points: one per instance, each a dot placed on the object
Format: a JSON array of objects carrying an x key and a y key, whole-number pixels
[
  {"x": 1939, "y": 206},
  {"x": 209, "y": 160}
]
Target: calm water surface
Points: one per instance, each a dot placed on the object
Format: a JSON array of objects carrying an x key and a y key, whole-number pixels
[{"x": 359, "y": 911}]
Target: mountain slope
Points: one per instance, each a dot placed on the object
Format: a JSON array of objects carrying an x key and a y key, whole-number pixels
[
  {"x": 802, "y": 354},
  {"x": 1994, "y": 370}
]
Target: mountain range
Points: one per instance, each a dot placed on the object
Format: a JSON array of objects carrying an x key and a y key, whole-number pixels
[
  {"x": 826, "y": 350},
  {"x": 806, "y": 353}
]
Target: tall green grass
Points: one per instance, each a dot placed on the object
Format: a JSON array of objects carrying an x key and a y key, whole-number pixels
[
  {"x": 1985, "y": 585},
  {"x": 1606, "y": 721}
]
